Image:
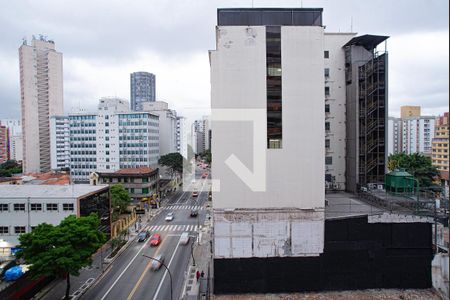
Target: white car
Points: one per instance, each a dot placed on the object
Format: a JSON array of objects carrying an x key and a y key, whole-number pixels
[
  {"x": 184, "y": 239},
  {"x": 169, "y": 216}
]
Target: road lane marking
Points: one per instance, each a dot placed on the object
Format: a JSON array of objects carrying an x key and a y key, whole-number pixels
[
  {"x": 165, "y": 273},
  {"x": 123, "y": 272},
  {"x": 138, "y": 283}
]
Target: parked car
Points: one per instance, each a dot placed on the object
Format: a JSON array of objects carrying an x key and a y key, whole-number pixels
[
  {"x": 184, "y": 239},
  {"x": 155, "y": 240},
  {"x": 169, "y": 216},
  {"x": 156, "y": 264},
  {"x": 194, "y": 213},
  {"x": 142, "y": 236},
  {"x": 4, "y": 266}
]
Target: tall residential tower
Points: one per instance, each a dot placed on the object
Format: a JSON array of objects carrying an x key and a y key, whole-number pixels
[
  {"x": 41, "y": 87},
  {"x": 142, "y": 89}
]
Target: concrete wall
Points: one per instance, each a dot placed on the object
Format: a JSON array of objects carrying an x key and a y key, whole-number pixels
[{"x": 238, "y": 81}]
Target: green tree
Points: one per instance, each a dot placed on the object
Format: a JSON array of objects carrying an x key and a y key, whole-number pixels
[
  {"x": 207, "y": 156},
  {"x": 119, "y": 197},
  {"x": 61, "y": 250},
  {"x": 418, "y": 165},
  {"x": 10, "y": 167},
  {"x": 174, "y": 161}
]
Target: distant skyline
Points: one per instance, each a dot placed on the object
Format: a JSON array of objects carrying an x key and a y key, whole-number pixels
[{"x": 171, "y": 39}]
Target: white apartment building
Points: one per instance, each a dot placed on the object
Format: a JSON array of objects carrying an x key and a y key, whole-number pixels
[
  {"x": 22, "y": 207},
  {"x": 182, "y": 136},
  {"x": 411, "y": 134},
  {"x": 167, "y": 125},
  {"x": 59, "y": 142},
  {"x": 267, "y": 82},
  {"x": 41, "y": 85},
  {"x": 111, "y": 139}
]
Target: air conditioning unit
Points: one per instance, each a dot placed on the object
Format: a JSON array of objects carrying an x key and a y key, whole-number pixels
[{"x": 380, "y": 187}]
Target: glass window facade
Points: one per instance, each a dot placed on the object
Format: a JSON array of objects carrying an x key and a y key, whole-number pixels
[{"x": 274, "y": 85}]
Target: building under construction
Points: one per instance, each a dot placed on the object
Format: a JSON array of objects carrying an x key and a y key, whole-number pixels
[{"x": 366, "y": 89}]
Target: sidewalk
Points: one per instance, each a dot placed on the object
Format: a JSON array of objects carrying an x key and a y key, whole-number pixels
[{"x": 88, "y": 275}]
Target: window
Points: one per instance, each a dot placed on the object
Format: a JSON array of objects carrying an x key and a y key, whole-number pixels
[
  {"x": 132, "y": 190},
  {"x": 68, "y": 206},
  {"x": 19, "y": 206},
  {"x": 327, "y": 91},
  {"x": 4, "y": 230},
  {"x": 4, "y": 207},
  {"x": 327, "y": 108},
  {"x": 327, "y": 72},
  {"x": 327, "y": 144},
  {"x": 19, "y": 229},
  {"x": 327, "y": 126},
  {"x": 326, "y": 54},
  {"x": 52, "y": 206},
  {"x": 145, "y": 191},
  {"x": 145, "y": 179},
  {"x": 273, "y": 87},
  {"x": 36, "y": 206},
  {"x": 329, "y": 160}
]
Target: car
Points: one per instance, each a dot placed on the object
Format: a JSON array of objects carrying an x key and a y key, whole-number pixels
[
  {"x": 195, "y": 194},
  {"x": 5, "y": 266},
  {"x": 169, "y": 216},
  {"x": 194, "y": 213},
  {"x": 205, "y": 175},
  {"x": 157, "y": 263},
  {"x": 184, "y": 238},
  {"x": 143, "y": 235},
  {"x": 155, "y": 240}
]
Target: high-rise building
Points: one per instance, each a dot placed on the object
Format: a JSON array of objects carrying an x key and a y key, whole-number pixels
[
  {"x": 440, "y": 150},
  {"x": 409, "y": 111},
  {"x": 41, "y": 85},
  {"x": 4, "y": 144},
  {"x": 114, "y": 138},
  {"x": 15, "y": 138},
  {"x": 267, "y": 83},
  {"x": 167, "y": 125},
  {"x": 412, "y": 133},
  {"x": 182, "y": 136},
  {"x": 142, "y": 89}
]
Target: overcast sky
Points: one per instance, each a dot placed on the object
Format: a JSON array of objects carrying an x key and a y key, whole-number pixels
[{"x": 104, "y": 41}]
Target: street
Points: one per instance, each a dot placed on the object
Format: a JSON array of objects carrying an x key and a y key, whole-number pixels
[{"x": 131, "y": 276}]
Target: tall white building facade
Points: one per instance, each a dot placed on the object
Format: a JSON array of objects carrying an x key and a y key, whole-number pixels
[
  {"x": 41, "y": 85},
  {"x": 267, "y": 82},
  {"x": 15, "y": 138},
  {"x": 60, "y": 142},
  {"x": 111, "y": 139},
  {"x": 182, "y": 136},
  {"x": 167, "y": 125},
  {"x": 411, "y": 134}
]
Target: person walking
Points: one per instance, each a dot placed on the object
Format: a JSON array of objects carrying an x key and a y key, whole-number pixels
[
  {"x": 197, "y": 274},
  {"x": 202, "y": 274}
]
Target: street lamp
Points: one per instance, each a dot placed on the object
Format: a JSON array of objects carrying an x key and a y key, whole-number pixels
[{"x": 170, "y": 275}]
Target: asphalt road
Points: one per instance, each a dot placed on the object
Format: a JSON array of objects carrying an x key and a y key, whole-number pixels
[{"x": 131, "y": 275}]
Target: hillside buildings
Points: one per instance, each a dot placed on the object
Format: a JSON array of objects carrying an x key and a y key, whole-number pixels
[
  {"x": 111, "y": 139},
  {"x": 41, "y": 86},
  {"x": 15, "y": 140},
  {"x": 412, "y": 133},
  {"x": 142, "y": 89}
]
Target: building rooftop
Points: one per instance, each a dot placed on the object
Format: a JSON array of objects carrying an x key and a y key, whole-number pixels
[
  {"x": 131, "y": 171},
  {"x": 48, "y": 191},
  {"x": 48, "y": 178},
  {"x": 368, "y": 41},
  {"x": 269, "y": 16}
]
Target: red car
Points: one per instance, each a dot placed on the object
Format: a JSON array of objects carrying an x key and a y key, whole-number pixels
[
  {"x": 204, "y": 175},
  {"x": 155, "y": 240}
]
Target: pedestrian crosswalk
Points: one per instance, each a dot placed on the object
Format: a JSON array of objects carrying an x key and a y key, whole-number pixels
[
  {"x": 189, "y": 207},
  {"x": 174, "y": 228}
]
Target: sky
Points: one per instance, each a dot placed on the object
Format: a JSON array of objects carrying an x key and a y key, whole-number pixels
[{"x": 104, "y": 41}]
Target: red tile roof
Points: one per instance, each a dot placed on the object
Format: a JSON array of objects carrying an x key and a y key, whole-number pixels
[
  {"x": 51, "y": 178},
  {"x": 140, "y": 170}
]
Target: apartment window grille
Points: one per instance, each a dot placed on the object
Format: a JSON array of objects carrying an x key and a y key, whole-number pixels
[
  {"x": 52, "y": 206},
  {"x": 19, "y": 229},
  {"x": 36, "y": 206},
  {"x": 68, "y": 206},
  {"x": 19, "y": 206},
  {"x": 4, "y": 207}
]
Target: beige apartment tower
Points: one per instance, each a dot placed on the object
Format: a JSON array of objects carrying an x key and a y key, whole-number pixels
[
  {"x": 41, "y": 94},
  {"x": 409, "y": 111}
]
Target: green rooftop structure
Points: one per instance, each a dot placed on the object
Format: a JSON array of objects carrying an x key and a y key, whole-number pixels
[{"x": 399, "y": 182}]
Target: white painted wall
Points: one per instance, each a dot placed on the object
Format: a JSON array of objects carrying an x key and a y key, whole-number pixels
[{"x": 295, "y": 173}]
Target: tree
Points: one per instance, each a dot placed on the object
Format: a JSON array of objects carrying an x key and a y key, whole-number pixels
[
  {"x": 418, "y": 165},
  {"x": 174, "y": 161},
  {"x": 10, "y": 167},
  {"x": 120, "y": 197},
  {"x": 207, "y": 156},
  {"x": 61, "y": 250}
]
